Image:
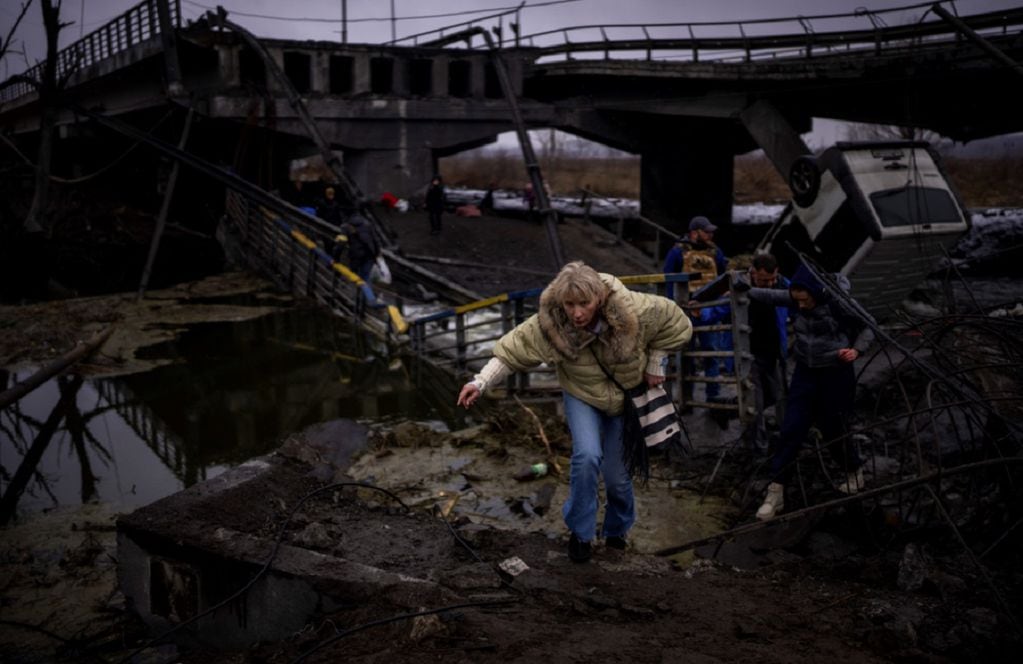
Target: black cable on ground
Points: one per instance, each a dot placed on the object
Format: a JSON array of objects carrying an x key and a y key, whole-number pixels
[
  {"x": 266, "y": 566},
  {"x": 73, "y": 643},
  {"x": 397, "y": 618}
]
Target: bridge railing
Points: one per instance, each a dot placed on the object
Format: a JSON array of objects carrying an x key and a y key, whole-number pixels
[
  {"x": 460, "y": 339},
  {"x": 661, "y": 237},
  {"x": 285, "y": 249},
  {"x": 137, "y": 25},
  {"x": 746, "y": 41}
]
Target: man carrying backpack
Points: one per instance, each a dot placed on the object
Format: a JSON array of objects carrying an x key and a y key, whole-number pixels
[
  {"x": 363, "y": 247},
  {"x": 698, "y": 253}
]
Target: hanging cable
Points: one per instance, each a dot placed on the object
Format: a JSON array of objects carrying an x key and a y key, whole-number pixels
[
  {"x": 309, "y": 19},
  {"x": 94, "y": 174}
]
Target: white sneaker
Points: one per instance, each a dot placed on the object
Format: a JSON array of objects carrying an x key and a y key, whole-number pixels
[
  {"x": 773, "y": 503},
  {"x": 852, "y": 483}
]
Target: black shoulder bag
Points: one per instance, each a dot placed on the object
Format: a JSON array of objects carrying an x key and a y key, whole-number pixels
[{"x": 651, "y": 422}]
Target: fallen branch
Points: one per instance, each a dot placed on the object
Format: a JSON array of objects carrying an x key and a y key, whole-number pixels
[
  {"x": 543, "y": 436},
  {"x": 870, "y": 493},
  {"x": 82, "y": 350}
]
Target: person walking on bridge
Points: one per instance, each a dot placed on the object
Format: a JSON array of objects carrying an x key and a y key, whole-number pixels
[
  {"x": 435, "y": 202},
  {"x": 587, "y": 319},
  {"x": 363, "y": 247}
]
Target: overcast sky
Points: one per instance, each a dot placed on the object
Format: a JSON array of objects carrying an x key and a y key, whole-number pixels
[{"x": 369, "y": 21}]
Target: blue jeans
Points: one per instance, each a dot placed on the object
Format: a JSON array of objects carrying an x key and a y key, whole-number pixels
[{"x": 596, "y": 450}]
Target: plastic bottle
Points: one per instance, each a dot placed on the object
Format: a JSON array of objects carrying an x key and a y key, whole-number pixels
[{"x": 536, "y": 471}]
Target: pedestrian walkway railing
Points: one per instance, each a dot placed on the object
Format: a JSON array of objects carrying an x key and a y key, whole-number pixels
[
  {"x": 292, "y": 251},
  {"x": 655, "y": 238},
  {"x": 460, "y": 339}
]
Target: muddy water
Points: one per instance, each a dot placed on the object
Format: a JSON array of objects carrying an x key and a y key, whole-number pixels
[{"x": 221, "y": 393}]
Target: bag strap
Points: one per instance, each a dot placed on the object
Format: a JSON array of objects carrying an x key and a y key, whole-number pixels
[{"x": 606, "y": 372}]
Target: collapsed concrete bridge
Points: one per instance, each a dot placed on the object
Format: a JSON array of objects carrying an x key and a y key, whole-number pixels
[{"x": 685, "y": 103}]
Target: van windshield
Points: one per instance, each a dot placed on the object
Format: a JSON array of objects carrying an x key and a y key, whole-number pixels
[{"x": 911, "y": 206}]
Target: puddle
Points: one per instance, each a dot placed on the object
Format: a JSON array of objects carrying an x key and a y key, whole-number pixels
[{"x": 222, "y": 393}]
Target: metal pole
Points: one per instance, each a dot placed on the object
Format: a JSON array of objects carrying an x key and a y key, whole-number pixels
[
  {"x": 344, "y": 21},
  {"x": 161, "y": 221},
  {"x": 394, "y": 24}
]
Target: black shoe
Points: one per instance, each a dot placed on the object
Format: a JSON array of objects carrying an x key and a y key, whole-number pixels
[
  {"x": 578, "y": 550},
  {"x": 616, "y": 543}
]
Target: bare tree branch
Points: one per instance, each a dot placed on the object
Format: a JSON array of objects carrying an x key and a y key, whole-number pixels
[{"x": 5, "y": 44}]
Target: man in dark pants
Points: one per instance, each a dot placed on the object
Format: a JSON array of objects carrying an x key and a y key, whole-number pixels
[
  {"x": 768, "y": 345},
  {"x": 435, "y": 203},
  {"x": 828, "y": 339}
]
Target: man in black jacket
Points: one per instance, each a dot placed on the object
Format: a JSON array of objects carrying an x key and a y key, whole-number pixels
[{"x": 828, "y": 339}]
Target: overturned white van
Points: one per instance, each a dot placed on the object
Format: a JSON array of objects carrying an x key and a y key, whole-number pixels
[{"x": 882, "y": 214}]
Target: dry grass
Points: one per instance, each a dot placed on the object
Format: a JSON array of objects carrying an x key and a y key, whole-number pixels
[
  {"x": 614, "y": 176},
  {"x": 981, "y": 182}
]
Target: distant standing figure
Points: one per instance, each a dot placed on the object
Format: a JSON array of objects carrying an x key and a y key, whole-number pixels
[
  {"x": 435, "y": 201},
  {"x": 328, "y": 209},
  {"x": 529, "y": 196},
  {"x": 487, "y": 204}
]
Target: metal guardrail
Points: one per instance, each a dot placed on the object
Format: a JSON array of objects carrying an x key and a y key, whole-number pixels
[
  {"x": 813, "y": 36},
  {"x": 742, "y": 45},
  {"x": 459, "y": 340},
  {"x": 279, "y": 247},
  {"x": 663, "y": 237},
  {"x": 137, "y": 25}
]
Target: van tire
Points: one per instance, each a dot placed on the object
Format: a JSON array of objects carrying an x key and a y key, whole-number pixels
[{"x": 805, "y": 180}]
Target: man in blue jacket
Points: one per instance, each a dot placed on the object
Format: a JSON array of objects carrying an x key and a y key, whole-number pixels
[
  {"x": 697, "y": 253},
  {"x": 828, "y": 339},
  {"x": 768, "y": 345}
]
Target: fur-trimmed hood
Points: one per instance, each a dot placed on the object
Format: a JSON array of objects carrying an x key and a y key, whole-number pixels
[{"x": 618, "y": 312}]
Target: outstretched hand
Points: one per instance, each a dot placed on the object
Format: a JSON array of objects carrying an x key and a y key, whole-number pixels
[{"x": 468, "y": 396}]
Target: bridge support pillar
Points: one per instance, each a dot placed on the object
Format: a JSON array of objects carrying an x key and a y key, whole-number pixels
[
  {"x": 400, "y": 172},
  {"x": 685, "y": 176}
]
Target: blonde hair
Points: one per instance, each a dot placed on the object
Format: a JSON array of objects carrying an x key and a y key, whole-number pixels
[{"x": 576, "y": 282}]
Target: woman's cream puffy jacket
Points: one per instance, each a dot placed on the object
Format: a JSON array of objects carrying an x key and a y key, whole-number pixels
[{"x": 635, "y": 328}]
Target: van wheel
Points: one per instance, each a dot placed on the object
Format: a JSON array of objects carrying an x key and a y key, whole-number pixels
[{"x": 805, "y": 180}]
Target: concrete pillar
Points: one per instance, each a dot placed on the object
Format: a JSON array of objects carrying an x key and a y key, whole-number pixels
[
  {"x": 230, "y": 71},
  {"x": 513, "y": 65},
  {"x": 272, "y": 84},
  {"x": 360, "y": 73},
  {"x": 440, "y": 76},
  {"x": 477, "y": 77},
  {"x": 685, "y": 176},
  {"x": 401, "y": 172},
  {"x": 400, "y": 76},
  {"x": 319, "y": 80}
]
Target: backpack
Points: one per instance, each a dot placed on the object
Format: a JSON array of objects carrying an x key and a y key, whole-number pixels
[{"x": 700, "y": 260}]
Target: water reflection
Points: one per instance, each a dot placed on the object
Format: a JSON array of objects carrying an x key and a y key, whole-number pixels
[{"x": 228, "y": 393}]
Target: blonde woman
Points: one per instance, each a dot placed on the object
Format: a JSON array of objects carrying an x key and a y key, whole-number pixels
[{"x": 587, "y": 319}]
